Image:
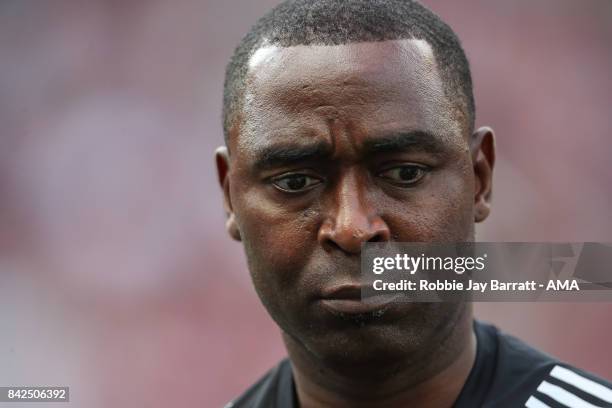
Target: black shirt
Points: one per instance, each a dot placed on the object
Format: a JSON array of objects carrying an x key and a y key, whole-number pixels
[{"x": 506, "y": 373}]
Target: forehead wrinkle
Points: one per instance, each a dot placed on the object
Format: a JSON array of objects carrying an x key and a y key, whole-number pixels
[{"x": 328, "y": 95}]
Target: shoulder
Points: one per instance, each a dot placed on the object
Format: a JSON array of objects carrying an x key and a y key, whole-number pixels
[
  {"x": 267, "y": 390},
  {"x": 571, "y": 387},
  {"x": 528, "y": 377}
]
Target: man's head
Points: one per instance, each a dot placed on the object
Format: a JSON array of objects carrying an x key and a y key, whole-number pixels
[
  {"x": 348, "y": 122},
  {"x": 333, "y": 22}
]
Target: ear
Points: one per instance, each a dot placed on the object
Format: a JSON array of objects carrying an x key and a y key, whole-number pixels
[
  {"x": 223, "y": 168},
  {"x": 482, "y": 148}
]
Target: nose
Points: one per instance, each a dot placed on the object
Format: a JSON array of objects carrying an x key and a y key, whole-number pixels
[{"x": 353, "y": 219}]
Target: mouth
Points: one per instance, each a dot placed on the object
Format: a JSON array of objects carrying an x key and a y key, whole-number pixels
[{"x": 347, "y": 300}]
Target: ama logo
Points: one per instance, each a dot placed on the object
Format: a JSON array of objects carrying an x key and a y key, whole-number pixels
[{"x": 559, "y": 284}]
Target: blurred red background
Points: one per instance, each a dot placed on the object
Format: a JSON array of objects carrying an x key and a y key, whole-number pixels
[{"x": 116, "y": 275}]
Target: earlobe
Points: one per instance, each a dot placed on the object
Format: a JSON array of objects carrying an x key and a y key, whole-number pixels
[
  {"x": 232, "y": 227},
  {"x": 223, "y": 169},
  {"x": 482, "y": 147}
]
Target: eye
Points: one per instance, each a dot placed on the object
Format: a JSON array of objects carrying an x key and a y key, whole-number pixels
[
  {"x": 406, "y": 175},
  {"x": 295, "y": 183}
]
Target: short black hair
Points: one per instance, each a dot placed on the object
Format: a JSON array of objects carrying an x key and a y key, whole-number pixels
[{"x": 335, "y": 22}]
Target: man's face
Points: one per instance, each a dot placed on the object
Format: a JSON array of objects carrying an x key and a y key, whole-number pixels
[{"x": 337, "y": 146}]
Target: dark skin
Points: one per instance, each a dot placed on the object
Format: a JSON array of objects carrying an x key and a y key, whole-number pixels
[{"x": 333, "y": 149}]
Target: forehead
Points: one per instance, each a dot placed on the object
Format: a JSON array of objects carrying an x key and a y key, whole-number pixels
[{"x": 385, "y": 86}]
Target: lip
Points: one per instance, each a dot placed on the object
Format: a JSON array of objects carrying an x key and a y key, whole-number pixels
[
  {"x": 346, "y": 299},
  {"x": 348, "y": 292}
]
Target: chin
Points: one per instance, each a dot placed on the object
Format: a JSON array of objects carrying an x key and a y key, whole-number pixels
[
  {"x": 362, "y": 341},
  {"x": 373, "y": 359},
  {"x": 370, "y": 340}
]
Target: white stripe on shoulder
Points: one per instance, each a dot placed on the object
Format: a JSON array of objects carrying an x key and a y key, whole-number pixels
[
  {"x": 564, "y": 397},
  {"x": 589, "y": 386},
  {"x": 533, "y": 402}
]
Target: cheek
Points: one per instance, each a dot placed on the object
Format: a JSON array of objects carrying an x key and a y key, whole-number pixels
[
  {"x": 455, "y": 204},
  {"x": 278, "y": 242},
  {"x": 443, "y": 212}
]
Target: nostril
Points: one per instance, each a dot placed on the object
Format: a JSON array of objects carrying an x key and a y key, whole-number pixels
[
  {"x": 376, "y": 238},
  {"x": 331, "y": 245}
]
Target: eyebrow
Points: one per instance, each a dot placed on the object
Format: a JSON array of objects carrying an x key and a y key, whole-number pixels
[
  {"x": 417, "y": 140},
  {"x": 283, "y": 155}
]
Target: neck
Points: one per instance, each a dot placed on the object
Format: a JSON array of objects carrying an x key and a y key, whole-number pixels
[{"x": 431, "y": 380}]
